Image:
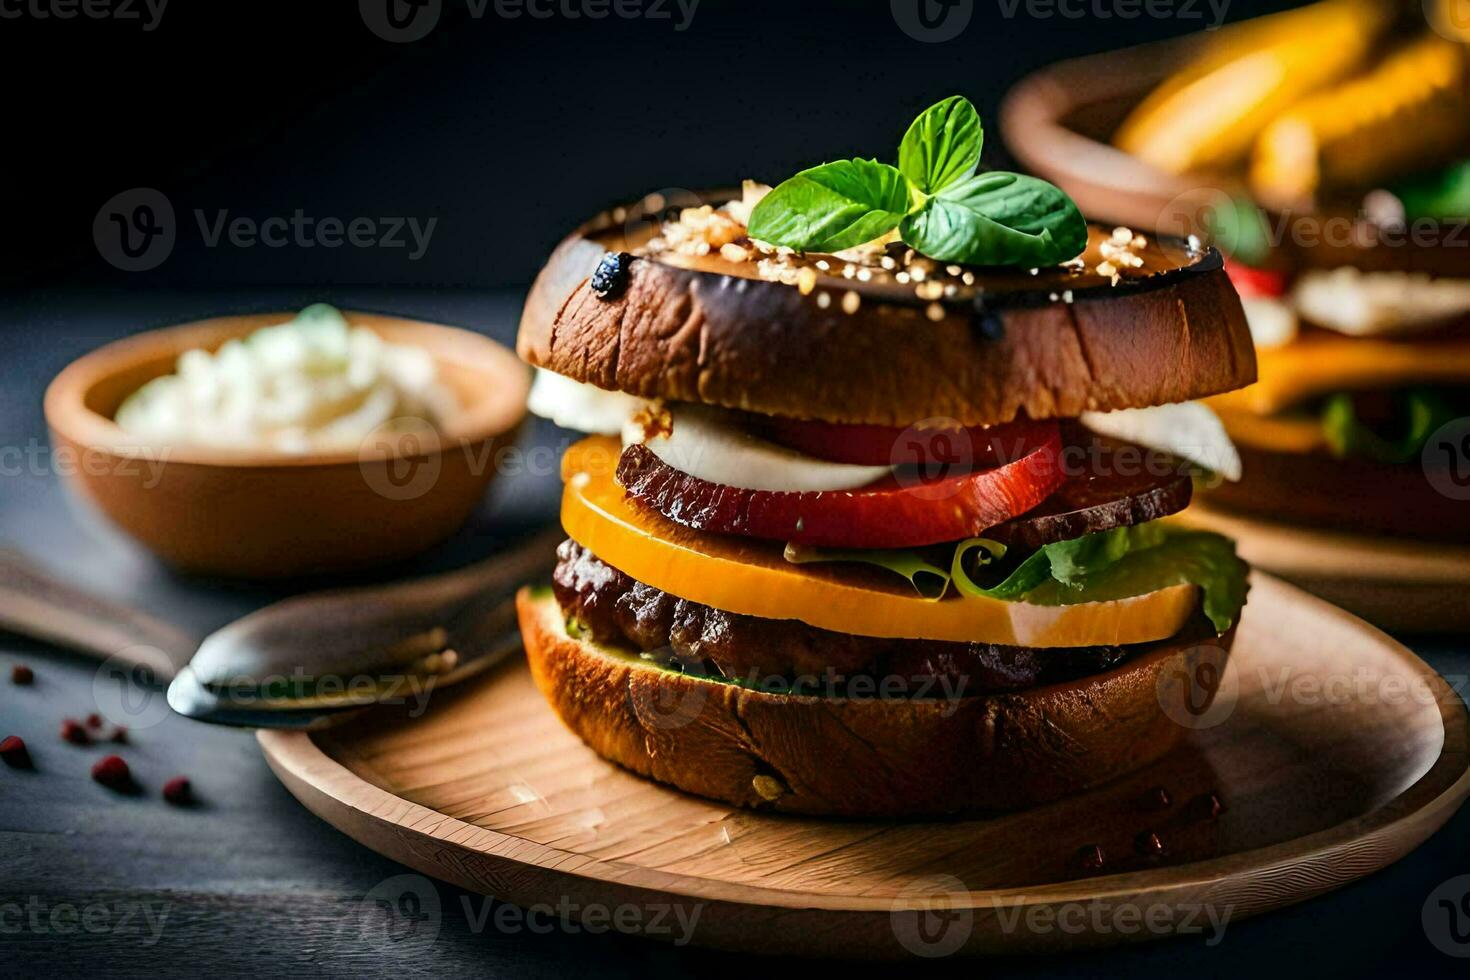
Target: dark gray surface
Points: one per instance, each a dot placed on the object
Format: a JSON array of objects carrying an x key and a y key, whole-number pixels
[{"x": 249, "y": 882}]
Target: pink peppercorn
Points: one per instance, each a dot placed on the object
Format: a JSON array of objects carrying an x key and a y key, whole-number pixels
[
  {"x": 178, "y": 791},
  {"x": 111, "y": 771},
  {"x": 13, "y": 751},
  {"x": 73, "y": 732}
]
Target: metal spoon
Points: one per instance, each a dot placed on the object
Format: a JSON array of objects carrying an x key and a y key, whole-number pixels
[
  {"x": 315, "y": 659},
  {"x": 309, "y": 661}
]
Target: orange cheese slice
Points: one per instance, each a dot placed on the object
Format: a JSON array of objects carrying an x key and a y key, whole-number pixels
[
  {"x": 1319, "y": 365},
  {"x": 1272, "y": 433},
  {"x": 752, "y": 578}
]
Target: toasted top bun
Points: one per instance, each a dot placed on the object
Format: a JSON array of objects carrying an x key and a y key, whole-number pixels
[{"x": 882, "y": 346}]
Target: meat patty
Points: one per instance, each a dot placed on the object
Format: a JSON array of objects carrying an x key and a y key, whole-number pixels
[{"x": 787, "y": 655}]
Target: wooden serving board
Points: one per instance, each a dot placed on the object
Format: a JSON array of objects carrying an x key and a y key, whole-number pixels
[
  {"x": 1395, "y": 583},
  {"x": 1334, "y": 750}
]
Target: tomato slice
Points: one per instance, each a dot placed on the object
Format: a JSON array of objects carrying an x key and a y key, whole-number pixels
[
  {"x": 935, "y": 445},
  {"x": 1250, "y": 281},
  {"x": 904, "y": 510}
]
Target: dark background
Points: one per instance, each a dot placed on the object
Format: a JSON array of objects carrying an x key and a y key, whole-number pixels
[{"x": 508, "y": 132}]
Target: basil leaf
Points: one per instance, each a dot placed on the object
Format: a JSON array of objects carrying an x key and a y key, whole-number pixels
[
  {"x": 930, "y": 581},
  {"x": 835, "y": 206},
  {"x": 998, "y": 219},
  {"x": 942, "y": 145}
]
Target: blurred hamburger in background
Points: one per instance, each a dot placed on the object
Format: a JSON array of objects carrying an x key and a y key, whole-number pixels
[{"x": 1326, "y": 150}]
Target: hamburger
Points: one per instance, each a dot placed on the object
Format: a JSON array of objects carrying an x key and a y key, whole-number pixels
[
  {"x": 1357, "y": 421},
  {"x": 1337, "y": 169},
  {"x": 840, "y": 541}
]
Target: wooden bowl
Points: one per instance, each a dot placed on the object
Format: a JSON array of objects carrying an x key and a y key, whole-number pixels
[
  {"x": 262, "y": 514},
  {"x": 1059, "y": 121}
]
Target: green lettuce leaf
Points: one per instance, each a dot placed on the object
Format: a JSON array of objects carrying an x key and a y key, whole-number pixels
[
  {"x": 929, "y": 580},
  {"x": 1182, "y": 558},
  {"x": 1067, "y": 562},
  {"x": 1441, "y": 195},
  {"x": 1123, "y": 562},
  {"x": 1112, "y": 564},
  {"x": 1025, "y": 577},
  {"x": 1418, "y": 413}
]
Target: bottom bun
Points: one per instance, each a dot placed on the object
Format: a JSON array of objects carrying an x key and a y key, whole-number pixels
[
  {"x": 870, "y": 756},
  {"x": 1356, "y": 495}
]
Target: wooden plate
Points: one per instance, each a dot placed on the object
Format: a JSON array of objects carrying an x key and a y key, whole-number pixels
[
  {"x": 1395, "y": 583},
  {"x": 1334, "y": 749}
]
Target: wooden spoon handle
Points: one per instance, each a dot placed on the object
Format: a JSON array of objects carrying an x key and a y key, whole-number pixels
[{"x": 34, "y": 603}]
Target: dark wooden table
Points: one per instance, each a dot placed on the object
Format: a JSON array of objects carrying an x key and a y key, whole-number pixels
[{"x": 249, "y": 883}]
